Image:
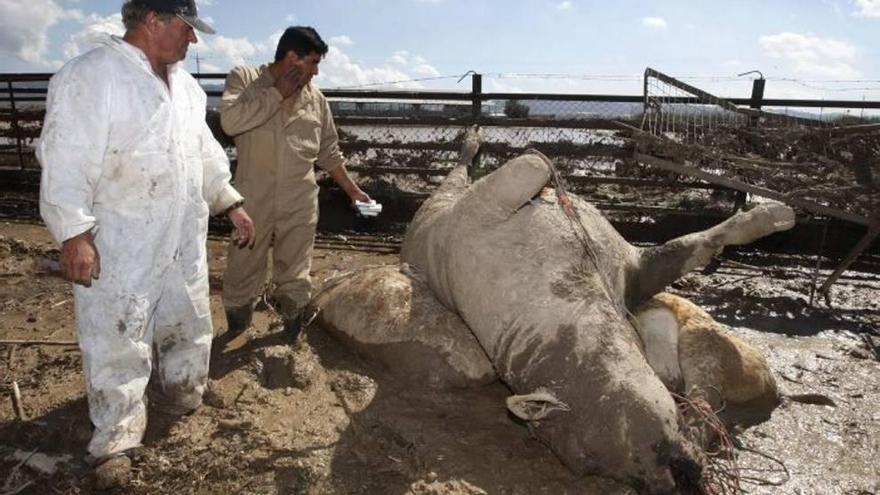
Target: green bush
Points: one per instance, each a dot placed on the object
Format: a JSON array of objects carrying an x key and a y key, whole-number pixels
[{"x": 516, "y": 110}]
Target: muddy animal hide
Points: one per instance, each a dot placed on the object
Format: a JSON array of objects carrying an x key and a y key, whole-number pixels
[
  {"x": 545, "y": 290},
  {"x": 388, "y": 316},
  {"x": 694, "y": 355}
]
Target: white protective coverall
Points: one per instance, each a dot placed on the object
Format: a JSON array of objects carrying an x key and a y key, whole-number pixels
[{"x": 135, "y": 162}]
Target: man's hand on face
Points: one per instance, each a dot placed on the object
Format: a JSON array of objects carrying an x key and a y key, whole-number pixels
[
  {"x": 80, "y": 261},
  {"x": 289, "y": 82},
  {"x": 245, "y": 234}
]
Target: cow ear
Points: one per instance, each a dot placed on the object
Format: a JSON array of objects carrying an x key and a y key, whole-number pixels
[{"x": 499, "y": 194}]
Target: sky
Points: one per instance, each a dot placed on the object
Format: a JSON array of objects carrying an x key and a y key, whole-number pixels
[{"x": 826, "y": 49}]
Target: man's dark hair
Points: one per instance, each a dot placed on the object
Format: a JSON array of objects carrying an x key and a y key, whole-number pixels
[{"x": 303, "y": 40}]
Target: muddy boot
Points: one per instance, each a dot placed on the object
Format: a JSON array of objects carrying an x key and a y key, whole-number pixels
[
  {"x": 293, "y": 327},
  {"x": 291, "y": 315},
  {"x": 112, "y": 472},
  {"x": 303, "y": 317},
  {"x": 238, "y": 319}
]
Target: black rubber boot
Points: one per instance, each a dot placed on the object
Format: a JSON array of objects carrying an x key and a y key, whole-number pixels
[
  {"x": 304, "y": 317},
  {"x": 238, "y": 319},
  {"x": 293, "y": 327}
]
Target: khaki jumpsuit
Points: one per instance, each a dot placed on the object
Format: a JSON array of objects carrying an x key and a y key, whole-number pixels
[{"x": 279, "y": 141}]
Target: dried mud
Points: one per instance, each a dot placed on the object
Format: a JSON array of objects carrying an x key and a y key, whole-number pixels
[{"x": 314, "y": 418}]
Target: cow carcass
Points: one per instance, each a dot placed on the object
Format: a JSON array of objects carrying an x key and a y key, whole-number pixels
[
  {"x": 545, "y": 283},
  {"x": 389, "y": 316},
  {"x": 695, "y": 356}
]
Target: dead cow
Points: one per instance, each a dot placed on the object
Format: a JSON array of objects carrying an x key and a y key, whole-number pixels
[
  {"x": 698, "y": 357},
  {"x": 544, "y": 286},
  {"x": 385, "y": 314}
]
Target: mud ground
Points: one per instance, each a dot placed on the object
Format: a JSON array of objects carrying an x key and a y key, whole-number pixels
[{"x": 313, "y": 418}]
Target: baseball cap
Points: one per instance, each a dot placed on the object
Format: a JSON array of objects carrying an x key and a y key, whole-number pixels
[{"x": 185, "y": 9}]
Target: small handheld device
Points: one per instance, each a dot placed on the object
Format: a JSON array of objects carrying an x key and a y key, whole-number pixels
[{"x": 368, "y": 208}]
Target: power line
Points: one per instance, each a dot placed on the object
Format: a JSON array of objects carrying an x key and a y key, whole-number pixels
[
  {"x": 807, "y": 83},
  {"x": 638, "y": 77}
]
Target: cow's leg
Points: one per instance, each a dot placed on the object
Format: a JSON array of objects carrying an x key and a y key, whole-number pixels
[
  {"x": 661, "y": 265},
  {"x": 422, "y": 238},
  {"x": 456, "y": 182}
]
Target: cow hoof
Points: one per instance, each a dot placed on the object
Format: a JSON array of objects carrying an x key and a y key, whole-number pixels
[
  {"x": 780, "y": 216},
  {"x": 760, "y": 221}
]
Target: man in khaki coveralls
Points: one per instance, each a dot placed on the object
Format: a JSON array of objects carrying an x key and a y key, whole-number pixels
[{"x": 282, "y": 127}]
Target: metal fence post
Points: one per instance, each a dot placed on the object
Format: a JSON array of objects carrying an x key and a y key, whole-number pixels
[
  {"x": 13, "y": 123},
  {"x": 757, "y": 100},
  {"x": 476, "y": 93},
  {"x": 475, "y": 168}
]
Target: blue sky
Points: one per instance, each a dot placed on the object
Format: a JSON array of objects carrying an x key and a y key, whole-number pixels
[{"x": 806, "y": 48}]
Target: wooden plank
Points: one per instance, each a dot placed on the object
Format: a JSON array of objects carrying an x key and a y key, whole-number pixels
[
  {"x": 853, "y": 129},
  {"x": 352, "y": 146},
  {"x": 571, "y": 179},
  {"x": 707, "y": 97},
  {"x": 863, "y": 244},
  {"x": 760, "y": 191},
  {"x": 19, "y": 132},
  {"x": 629, "y": 181},
  {"x": 420, "y": 171},
  {"x": 555, "y": 149}
]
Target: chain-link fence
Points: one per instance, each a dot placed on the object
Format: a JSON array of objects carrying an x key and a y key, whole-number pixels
[
  {"x": 403, "y": 142},
  {"x": 22, "y": 108},
  {"x": 805, "y": 161}
]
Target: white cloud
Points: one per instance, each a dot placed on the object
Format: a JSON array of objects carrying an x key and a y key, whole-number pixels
[
  {"x": 653, "y": 22},
  {"x": 496, "y": 86},
  {"x": 811, "y": 55},
  {"x": 425, "y": 70},
  {"x": 338, "y": 70},
  {"x": 271, "y": 43},
  {"x": 95, "y": 28},
  {"x": 205, "y": 2},
  {"x": 290, "y": 18},
  {"x": 24, "y": 25},
  {"x": 400, "y": 58},
  {"x": 341, "y": 40},
  {"x": 566, "y": 5},
  {"x": 422, "y": 68},
  {"x": 237, "y": 51},
  {"x": 74, "y": 14},
  {"x": 216, "y": 53},
  {"x": 867, "y": 8},
  {"x": 222, "y": 53}
]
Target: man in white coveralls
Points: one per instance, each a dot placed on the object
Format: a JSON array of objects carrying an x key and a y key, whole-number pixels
[{"x": 131, "y": 172}]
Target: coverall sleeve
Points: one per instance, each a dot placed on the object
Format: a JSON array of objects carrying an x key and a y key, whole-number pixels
[
  {"x": 329, "y": 155},
  {"x": 71, "y": 149},
  {"x": 217, "y": 190},
  {"x": 245, "y": 104}
]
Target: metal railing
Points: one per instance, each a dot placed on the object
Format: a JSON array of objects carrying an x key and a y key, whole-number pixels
[{"x": 415, "y": 134}]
